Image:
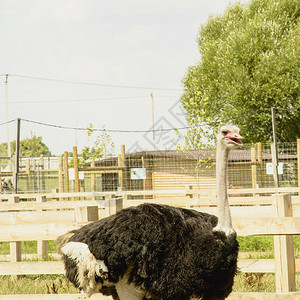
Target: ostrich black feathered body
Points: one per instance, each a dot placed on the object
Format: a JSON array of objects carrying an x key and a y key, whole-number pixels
[{"x": 172, "y": 253}]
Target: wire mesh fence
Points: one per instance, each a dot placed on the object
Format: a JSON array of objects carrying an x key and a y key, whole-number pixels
[
  {"x": 253, "y": 166},
  {"x": 249, "y": 167}
]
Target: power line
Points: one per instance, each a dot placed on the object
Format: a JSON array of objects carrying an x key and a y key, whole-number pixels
[
  {"x": 102, "y": 130},
  {"x": 74, "y": 100},
  {"x": 91, "y": 83},
  {"x": 143, "y": 131},
  {"x": 85, "y": 100},
  {"x": 8, "y": 122},
  {"x": 136, "y": 131}
]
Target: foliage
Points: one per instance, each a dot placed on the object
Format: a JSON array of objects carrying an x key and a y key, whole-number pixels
[
  {"x": 28, "y": 247},
  {"x": 250, "y": 59},
  {"x": 103, "y": 146},
  {"x": 255, "y": 282},
  {"x": 29, "y": 147},
  {"x": 197, "y": 138},
  {"x": 37, "y": 284},
  {"x": 196, "y": 144},
  {"x": 33, "y": 147},
  {"x": 256, "y": 244}
]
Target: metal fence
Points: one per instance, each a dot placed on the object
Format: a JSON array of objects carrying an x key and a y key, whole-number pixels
[{"x": 248, "y": 167}]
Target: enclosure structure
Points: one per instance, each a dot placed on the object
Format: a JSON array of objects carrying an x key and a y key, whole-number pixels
[
  {"x": 170, "y": 169},
  {"x": 48, "y": 215},
  {"x": 156, "y": 170}
]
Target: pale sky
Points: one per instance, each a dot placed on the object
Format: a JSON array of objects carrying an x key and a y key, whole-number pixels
[{"x": 132, "y": 43}]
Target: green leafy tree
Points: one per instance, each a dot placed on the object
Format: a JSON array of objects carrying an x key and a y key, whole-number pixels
[
  {"x": 29, "y": 147},
  {"x": 103, "y": 146},
  {"x": 3, "y": 150},
  {"x": 196, "y": 144},
  {"x": 250, "y": 62},
  {"x": 34, "y": 147}
]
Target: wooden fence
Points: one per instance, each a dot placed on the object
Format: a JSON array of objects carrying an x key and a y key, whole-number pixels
[
  {"x": 45, "y": 218},
  {"x": 164, "y": 170}
]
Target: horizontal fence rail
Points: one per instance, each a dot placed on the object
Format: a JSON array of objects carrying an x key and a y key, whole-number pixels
[
  {"x": 39, "y": 217},
  {"x": 243, "y": 227},
  {"x": 57, "y": 267}
]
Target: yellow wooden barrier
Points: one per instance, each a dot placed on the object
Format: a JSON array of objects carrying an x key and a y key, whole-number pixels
[{"x": 281, "y": 224}]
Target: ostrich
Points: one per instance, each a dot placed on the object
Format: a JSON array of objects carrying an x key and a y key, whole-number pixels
[{"x": 154, "y": 251}]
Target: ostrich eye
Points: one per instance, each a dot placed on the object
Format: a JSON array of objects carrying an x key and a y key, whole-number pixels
[{"x": 225, "y": 132}]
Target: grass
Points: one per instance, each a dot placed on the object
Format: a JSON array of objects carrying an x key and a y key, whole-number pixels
[
  {"x": 40, "y": 284},
  {"x": 52, "y": 284},
  {"x": 28, "y": 247},
  {"x": 257, "y": 247},
  {"x": 258, "y": 282},
  {"x": 264, "y": 245},
  {"x": 254, "y": 282}
]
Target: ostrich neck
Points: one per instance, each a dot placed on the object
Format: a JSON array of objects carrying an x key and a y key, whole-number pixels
[{"x": 224, "y": 222}]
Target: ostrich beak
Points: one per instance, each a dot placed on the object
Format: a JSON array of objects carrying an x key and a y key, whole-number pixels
[{"x": 234, "y": 138}]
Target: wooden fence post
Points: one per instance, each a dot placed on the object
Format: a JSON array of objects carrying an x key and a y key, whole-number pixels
[
  {"x": 43, "y": 173},
  {"x": 147, "y": 182},
  {"x": 34, "y": 172},
  {"x": 253, "y": 169},
  {"x": 122, "y": 173},
  {"x": 260, "y": 162},
  {"x": 76, "y": 171},
  {"x": 86, "y": 213},
  {"x": 113, "y": 205},
  {"x": 284, "y": 248},
  {"x": 189, "y": 195},
  {"x": 93, "y": 179},
  {"x": 259, "y": 153},
  {"x": 15, "y": 247},
  {"x": 66, "y": 171},
  {"x": 28, "y": 174},
  {"x": 60, "y": 174},
  {"x": 42, "y": 250},
  {"x": 54, "y": 198}
]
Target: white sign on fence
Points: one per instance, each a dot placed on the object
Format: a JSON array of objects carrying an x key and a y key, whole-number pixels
[
  {"x": 138, "y": 173},
  {"x": 72, "y": 174},
  {"x": 270, "y": 171}
]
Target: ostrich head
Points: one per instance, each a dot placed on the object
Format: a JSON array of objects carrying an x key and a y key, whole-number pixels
[{"x": 229, "y": 137}]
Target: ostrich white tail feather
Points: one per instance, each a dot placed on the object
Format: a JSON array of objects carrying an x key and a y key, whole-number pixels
[{"x": 87, "y": 265}]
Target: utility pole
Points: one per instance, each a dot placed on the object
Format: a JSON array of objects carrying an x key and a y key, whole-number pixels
[
  {"x": 274, "y": 149},
  {"x": 7, "y": 120},
  {"x": 153, "y": 130}
]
